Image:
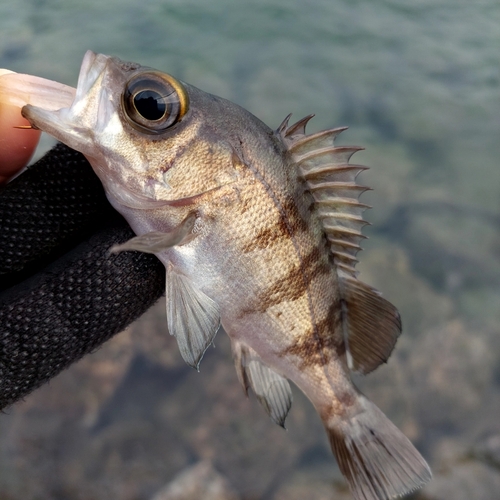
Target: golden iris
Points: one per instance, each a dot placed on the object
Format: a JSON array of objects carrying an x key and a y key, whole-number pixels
[{"x": 154, "y": 101}]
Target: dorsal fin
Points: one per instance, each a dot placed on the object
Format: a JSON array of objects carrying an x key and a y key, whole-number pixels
[
  {"x": 371, "y": 324},
  {"x": 331, "y": 179},
  {"x": 297, "y": 129},
  {"x": 271, "y": 389}
]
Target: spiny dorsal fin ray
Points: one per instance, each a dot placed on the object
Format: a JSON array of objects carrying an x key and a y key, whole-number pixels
[
  {"x": 332, "y": 189},
  {"x": 346, "y": 227},
  {"x": 271, "y": 389},
  {"x": 340, "y": 232},
  {"x": 344, "y": 244},
  {"x": 284, "y": 125},
  {"x": 341, "y": 173},
  {"x": 297, "y": 129},
  {"x": 339, "y": 200},
  {"x": 336, "y": 155},
  {"x": 192, "y": 317},
  {"x": 319, "y": 140},
  {"x": 349, "y": 219},
  {"x": 371, "y": 325},
  {"x": 332, "y": 182}
]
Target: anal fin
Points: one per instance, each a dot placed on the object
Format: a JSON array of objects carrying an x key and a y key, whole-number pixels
[
  {"x": 371, "y": 324},
  {"x": 271, "y": 389},
  {"x": 192, "y": 317}
]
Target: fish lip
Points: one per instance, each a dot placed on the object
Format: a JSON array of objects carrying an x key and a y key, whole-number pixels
[
  {"x": 87, "y": 69},
  {"x": 92, "y": 67},
  {"x": 53, "y": 123},
  {"x": 63, "y": 123}
]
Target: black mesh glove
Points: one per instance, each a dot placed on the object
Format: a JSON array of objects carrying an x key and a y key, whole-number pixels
[{"x": 62, "y": 294}]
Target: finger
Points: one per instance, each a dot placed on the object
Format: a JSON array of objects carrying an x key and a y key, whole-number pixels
[
  {"x": 16, "y": 145},
  {"x": 16, "y": 90}
]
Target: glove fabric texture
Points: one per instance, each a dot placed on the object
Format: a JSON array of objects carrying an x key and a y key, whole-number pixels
[{"x": 62, "y": 294}]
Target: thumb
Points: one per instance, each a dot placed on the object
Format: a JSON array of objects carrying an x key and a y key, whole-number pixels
[{"x": 16, "y": 145}]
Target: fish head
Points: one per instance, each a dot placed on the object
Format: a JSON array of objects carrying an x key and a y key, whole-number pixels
[{"x": 146, "y": 134}]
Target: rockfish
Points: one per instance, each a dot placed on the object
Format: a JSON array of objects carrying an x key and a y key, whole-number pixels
[{"x": 258, "y": 231}]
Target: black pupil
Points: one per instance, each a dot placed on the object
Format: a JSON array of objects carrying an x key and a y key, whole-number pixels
[{"x": 150, "y": 105}]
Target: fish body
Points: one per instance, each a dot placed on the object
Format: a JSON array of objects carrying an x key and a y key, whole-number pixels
[{"x": 258, "y": 231}]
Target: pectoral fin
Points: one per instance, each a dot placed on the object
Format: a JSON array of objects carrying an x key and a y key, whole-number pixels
[
  {"x": 192, "y": 317},
  {"x": 157, "y": 241},
  {"x": 272, "y": 390},
  {"x": 372, "y": 326}
]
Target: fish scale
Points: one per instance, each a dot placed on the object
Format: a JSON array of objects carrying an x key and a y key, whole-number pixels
[
  {"x": 299, "y": 284},
  {"x": 259, "y": 231}
]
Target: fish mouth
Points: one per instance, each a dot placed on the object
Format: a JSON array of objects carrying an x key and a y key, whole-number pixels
[
  {"x": 54, "y": 123},
  {"x": 72, "y": 125},
  {"x": 92, "y": 67}
]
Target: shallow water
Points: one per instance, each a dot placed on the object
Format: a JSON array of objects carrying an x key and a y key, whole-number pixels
[{"x": 418, "y": 84}]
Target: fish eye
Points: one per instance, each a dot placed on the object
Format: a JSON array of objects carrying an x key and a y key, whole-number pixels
[{"x": 153, "y": 102}]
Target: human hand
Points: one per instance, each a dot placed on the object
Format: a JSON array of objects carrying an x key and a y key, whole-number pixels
[
  {"x": 62, "y": 294},
  {"x": 17, "y": 139},
  {"x": 16, "y": 145}
]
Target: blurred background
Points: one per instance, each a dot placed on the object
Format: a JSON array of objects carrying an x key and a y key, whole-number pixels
[{"x": 418, "y": 84}]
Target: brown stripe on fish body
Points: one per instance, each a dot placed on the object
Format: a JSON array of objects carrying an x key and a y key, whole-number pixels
[
  {"x": 287, "y": 225},
  {"x": 267, "y": 236},
  {"x": 287, "y": 231},
  {"x": 287, "y": 248},
  {"x": 296, "y": 221},
  {"x": 295, "y": 284},
  {"x": 321, "y": 343}
]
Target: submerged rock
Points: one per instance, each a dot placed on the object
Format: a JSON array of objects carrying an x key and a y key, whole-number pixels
[
  {"x": 489, "y": 451},
  {"x": 199, "y": 481},
  {"x": 463, "y": 481}
]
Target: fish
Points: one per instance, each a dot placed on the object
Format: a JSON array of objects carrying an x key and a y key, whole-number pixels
[{"x": 258, "y": 230}]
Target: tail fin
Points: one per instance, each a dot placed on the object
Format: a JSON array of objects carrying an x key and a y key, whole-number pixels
[{"x": 377, "y": 460}]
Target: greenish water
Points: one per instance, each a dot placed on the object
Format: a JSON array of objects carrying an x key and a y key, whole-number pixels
[{"x": 418, "y": 83}]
